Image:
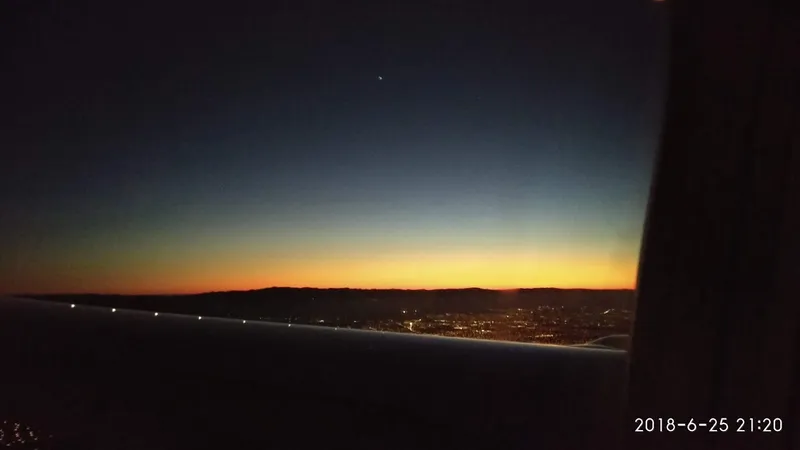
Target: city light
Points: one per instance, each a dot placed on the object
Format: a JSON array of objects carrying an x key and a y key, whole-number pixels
[{"x": 529, "y": 318}]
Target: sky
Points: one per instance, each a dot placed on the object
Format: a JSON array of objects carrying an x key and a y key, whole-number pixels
[{"x": 160, "y": 148}]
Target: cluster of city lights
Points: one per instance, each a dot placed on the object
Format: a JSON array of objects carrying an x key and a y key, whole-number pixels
[
  {"x": 13, "y": 434},
  {"x": 548, "y": 327}
]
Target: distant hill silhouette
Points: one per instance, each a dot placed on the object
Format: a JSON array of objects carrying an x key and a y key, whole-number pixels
[{"x": 349, "y": 304}]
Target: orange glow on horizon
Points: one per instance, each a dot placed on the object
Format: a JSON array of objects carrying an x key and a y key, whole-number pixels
[{"x": 506, "y": 272}]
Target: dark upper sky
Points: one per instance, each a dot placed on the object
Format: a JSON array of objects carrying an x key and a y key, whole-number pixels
[{"x": 226, "y": 145}]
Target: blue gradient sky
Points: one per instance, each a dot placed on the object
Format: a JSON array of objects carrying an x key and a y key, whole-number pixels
[{"x": 163, "y": 149}]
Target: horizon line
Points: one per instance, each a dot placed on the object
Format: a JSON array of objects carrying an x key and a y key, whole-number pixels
[{"x": 326, "y": 289}]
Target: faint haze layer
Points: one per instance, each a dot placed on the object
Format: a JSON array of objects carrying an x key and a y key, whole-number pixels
[{"x": 162, "y": 148}]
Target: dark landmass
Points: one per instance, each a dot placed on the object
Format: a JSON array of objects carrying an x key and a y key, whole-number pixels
[
  {"x": 306, "y": 304},
  {"x": 545, "y": 315}
]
